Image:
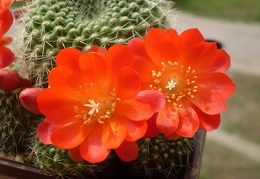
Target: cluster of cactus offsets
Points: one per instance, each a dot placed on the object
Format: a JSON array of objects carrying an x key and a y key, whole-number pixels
[
  {"x": 162, "y": 157},
  {"x": 16, "y": 124},
  {"x": 51, "y": 25},
  {"x": 58, "y": 162}
]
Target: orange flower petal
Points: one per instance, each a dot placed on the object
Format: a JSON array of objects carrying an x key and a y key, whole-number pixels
[
  {"x": 75, "y": 154},
  {"x": 167, "y": 120},
  {"x": 69, "y": 57},
  {"x": 127, "y": 151},
  {"x": 113, "y": 133},
  {"x": 71, "y": 135},
  {"x": 127, "y": 83},
  {"x": 200, "y": 57},
  {"x": 155, "y": 99},
  {"x": 191, "y": 37},
  {"x": 6, "y": 40},
  {"x": 209, "y": 102},
  {"x": 6, "y": 3},
  {"x": 218, "y": 82},
  {"x": 135, "y": 129},
  {"x": 100, "y": 50},
  {"x": 152, "y": 130},
  {"x": 65, "y": 80},
  {"x": 222, "y": 62},
  {"x": 161, "y": 46},
  {"x": 117, "y": 57},
  {"x": 92, "y": 149},
  {"x": 6, "y": 57},
  {"x": 56, "y": 107},
  {"x": 174, "y": 136},
  {"x": 6, "y": 20},
  {"x": 135, "y": 110},
  {"x": 144, "y": 68},
  {"x": 44, "y": 131},
  {"x": 188, "y": 121},
  {"x": 208, "y": 122},
  {"x": 137, "y": 46},
  {"x": 94, "y": 67}
]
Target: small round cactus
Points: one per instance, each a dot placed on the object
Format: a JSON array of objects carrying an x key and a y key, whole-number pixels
[
  {"x": 16, "y": 123},
  {"x": 163, "y": 158},
  {"x": 51, "y": 25},
  {"x": 58, "y": 162}
]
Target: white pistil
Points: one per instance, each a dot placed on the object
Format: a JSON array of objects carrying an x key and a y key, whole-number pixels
[
  {"x": 171, "y": 84},
  {"x": 93, "y": 105}
]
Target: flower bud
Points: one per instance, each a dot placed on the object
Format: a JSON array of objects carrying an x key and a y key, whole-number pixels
[
  {"x": 28, "y": 98},
  {"x": 9, "y": 80},
  {"x": 6, "y": 57}
]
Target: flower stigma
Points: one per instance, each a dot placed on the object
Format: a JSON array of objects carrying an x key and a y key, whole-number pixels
[
  {"x": 93, "y": 106},
  {"x": 171, "y": 84}
]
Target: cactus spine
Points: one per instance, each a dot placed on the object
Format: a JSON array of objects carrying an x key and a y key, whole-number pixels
[
  {"x": 58, "y": 162},
  {"x": 16, "y": 124},
  {"x": 51, "y": 25},
  {"x": 163, "y": 158}
]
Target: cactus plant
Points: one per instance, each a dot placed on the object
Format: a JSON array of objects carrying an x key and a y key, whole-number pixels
[
  {"x": 163, "y": 158},
  {"x": 58, "y": 162},
  {"x": 51, "y": 25},
  {"x": 16, "y": 124}
]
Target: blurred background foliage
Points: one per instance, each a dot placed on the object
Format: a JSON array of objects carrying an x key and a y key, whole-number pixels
[{"x": 237, "y": 10}]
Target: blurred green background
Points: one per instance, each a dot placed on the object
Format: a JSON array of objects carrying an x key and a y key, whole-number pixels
[
  {"x": 245, "y": 10},
  {"x": 242, "y": 116}
]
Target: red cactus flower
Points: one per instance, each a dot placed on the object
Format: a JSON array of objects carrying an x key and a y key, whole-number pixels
[
  {"x": 6, "y": 3},
  {"x": 94, "y": 104},
  {"x": 190, "y": 73},
  {"x": 6, "y": 55}
]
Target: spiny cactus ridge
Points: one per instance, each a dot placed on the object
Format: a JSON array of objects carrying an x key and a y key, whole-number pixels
[
  {"x": 51, "y": 25},
  {"x": 58, "y": 162},
  {"x": 164, "y": 158},
  {"x": 16, "y": 123}
]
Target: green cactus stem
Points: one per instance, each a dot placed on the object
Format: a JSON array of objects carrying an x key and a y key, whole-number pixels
[
  {"x": 51, "y": 25},
  {"x": 57, "y": 162},
  {"x": 163, "y": 158},
  {"x": 16, "y": 124}
]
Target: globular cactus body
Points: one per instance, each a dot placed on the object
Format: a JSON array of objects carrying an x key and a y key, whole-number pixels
[
  {"x": 51, "y": 25},
  {"x": 58, "y": 162},
  {"x": 16, "y": 123},
  {"x": 163, "y": 158}
]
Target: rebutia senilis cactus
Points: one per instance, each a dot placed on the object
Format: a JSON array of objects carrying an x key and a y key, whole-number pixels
[
  {"x": 58, "y": 162},
  {"x": 162, "y": 158},
  {"x": 16, "y": 124},
  {"x": 51, "y": 25}
]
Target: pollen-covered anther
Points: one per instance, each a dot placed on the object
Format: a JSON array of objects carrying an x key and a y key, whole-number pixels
[
  {"x": 157, "y": 81},
  {"x": 76, "y": 108},
  {"x": 154, "y": 73}
]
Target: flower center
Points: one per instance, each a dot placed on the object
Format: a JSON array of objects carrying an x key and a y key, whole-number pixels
[
  {"x": 98, "y": 104},
  {"x": 175, "y": 81},
  {"x": 171, "y": 84},
  {"x": 93, "y": 106}
]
